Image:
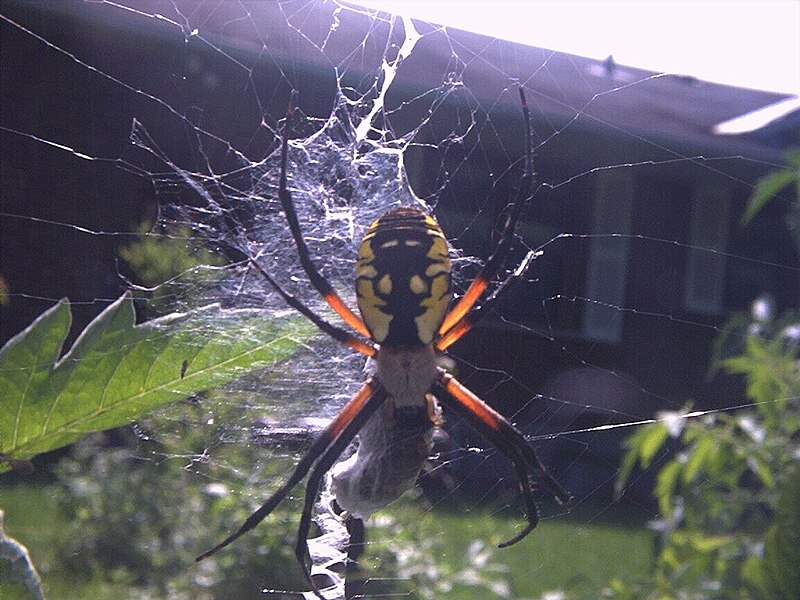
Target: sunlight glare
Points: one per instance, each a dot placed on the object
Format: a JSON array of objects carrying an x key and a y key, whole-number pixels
[{"x": 746, "y": 43}]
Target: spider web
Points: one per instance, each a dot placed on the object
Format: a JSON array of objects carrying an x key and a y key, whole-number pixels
[{"x": 386, "y": 117}]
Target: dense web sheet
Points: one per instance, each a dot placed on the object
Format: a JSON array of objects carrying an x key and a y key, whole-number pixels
[{"x": 607, "y": 324}]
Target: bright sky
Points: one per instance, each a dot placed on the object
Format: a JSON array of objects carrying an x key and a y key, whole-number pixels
[{"x": 747, "y": 43}]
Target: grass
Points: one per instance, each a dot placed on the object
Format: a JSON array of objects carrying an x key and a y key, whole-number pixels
[
  {"x": 30, "y": 519},
  {"x": 561, "y": 552},
  {"x": 573, "y": 550},
  {"x": 570, "y": 550}
]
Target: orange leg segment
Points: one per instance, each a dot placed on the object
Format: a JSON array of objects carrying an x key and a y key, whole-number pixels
[
  {"x": 466, "y": 302},
  {"x": 347, "y": 315},
  {"x": 507, "y": 439},
  {"x": 495, "y": 261},
  {"x": 340, "y": 335},
  {"x": 317, "y": 280}
]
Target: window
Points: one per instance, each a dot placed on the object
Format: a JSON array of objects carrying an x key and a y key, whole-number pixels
[
  {"x": 608, "y": 256},
  {"x": 705, "y": 277}
]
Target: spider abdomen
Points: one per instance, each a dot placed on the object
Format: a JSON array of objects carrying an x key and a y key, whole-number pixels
[
  {"x": 397, "y": 440},
  {"x": 392, "y": 449},
  {"x": 403, "y": 278}
]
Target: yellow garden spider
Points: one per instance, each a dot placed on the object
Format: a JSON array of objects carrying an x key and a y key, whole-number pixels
[{"x": 403, "y": 293}]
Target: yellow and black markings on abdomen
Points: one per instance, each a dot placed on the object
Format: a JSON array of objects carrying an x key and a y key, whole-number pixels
[{"x": 403, "y": 278}]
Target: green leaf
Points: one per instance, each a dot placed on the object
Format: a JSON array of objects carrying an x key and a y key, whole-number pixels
[
  {"x": 763, "y": 470},
  {"x": 767, "y": 188},
  {"x": 117, "y": 371},
  {"x": 666, "y": 482},
  {"x": 642, "y": 447},
  {"x": 708, "y": 543},
  {"x": 753, "y": 576},
  {"x": 698, "y": 456},
  {"x": 782, "y": 544}
]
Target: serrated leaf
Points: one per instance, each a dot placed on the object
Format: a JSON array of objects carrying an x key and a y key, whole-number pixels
[{"x": 117, "y": 371}]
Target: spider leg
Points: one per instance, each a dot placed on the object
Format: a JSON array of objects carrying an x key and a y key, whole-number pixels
[
  {"x": 495, "y": 261},
  {"x": 344, "y": 426},
  {"x": 317, "y": 280},
  {"x": 323, "y": 465},
  {"x": 337, "y": 333},
  {"x": 469, "y": 320},
  {"x": 508, "y": 440},
  {"x": 354, "y": 581},
  {"x": 531, "y": 510}
]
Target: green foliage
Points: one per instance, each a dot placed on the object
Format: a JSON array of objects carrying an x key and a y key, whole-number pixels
[
  {"x": 773, "y": 379},
  {"x": 117, "y": 371},
  {"x": 18, "y": 576},
  {"x": 436, "y": 549},
  {"x": 139, "y": 517},
  {"x": 779, "y": 574},
  {"x": 158, "y": 258},
  {"x": 5, "y": 297},
  {"x": 171, "y": 263},
  {"x": 434, "y": 556},
  {"x": 771, "y": 185},
  {"x": 729, "y": 494}
]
